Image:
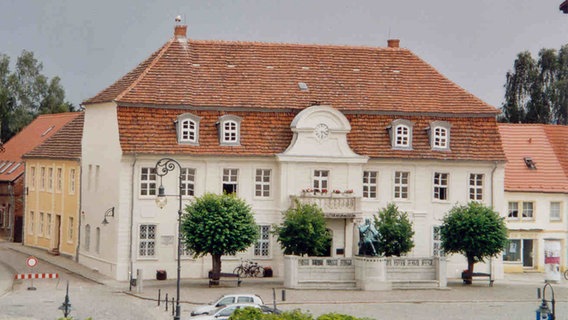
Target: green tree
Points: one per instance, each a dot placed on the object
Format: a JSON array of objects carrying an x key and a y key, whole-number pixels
[
  {"x": 303, "y": 231},
  {"x": 218, "y": 225},
  {"x": 395, "y": 231},
  {"x": 26, "y": 92},
  {"x": 475, "y": 231}
]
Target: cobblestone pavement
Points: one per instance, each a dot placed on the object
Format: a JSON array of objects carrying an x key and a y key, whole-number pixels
[{"x": 513, "y": 296}]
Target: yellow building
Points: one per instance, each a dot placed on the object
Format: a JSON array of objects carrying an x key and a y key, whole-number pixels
[{"x": 53, "y": 200}]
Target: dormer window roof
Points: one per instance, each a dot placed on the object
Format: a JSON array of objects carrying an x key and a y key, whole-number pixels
[
  {"x": 188, "y": 129},
  {"x": 530, "y": 163},
  {"x": 439, "y": 134},
  {"x": 400, "y": 132},
  {"x": 229, "y": 130}
]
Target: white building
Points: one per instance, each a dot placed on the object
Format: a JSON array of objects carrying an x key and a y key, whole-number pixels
[
  {"x": 536, "y": 193},
  {"x": 267, "y": 121}
]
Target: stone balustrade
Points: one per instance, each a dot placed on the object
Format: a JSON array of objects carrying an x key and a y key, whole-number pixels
[{"x": 333, "y": 205}]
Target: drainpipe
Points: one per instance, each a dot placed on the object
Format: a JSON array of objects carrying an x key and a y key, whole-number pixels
[
  {"x": 130, "y": 255},
  {"x": 12, "y": 211},
  {"x": 80, "y": 212}
]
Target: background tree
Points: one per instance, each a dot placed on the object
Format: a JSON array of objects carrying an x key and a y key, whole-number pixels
[
  {"x": 475, "y": 231},
  {"x": 218, "y": 225},
  {"x": 26, "y": 93},
  {"x": 395, "y": 231},
  {"x": 537, "y": 91},
  {"x": 303, "y": 231}
]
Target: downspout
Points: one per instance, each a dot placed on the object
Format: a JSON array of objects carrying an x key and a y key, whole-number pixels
[
  {"x": 12, "y": 212},
  {"x": 130, "y": 255},
  {"x": 80, "y": 220}
]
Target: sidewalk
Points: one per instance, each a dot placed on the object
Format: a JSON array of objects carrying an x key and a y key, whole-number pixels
[{"x": 197, "y": 291}]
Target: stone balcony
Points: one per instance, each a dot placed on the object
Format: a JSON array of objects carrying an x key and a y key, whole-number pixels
[{"x": 338, "y": 206}]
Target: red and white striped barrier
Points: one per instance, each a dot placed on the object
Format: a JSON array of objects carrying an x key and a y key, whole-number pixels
[{"x": 22, "y": 276}]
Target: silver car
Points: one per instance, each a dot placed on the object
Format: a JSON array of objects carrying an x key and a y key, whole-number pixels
[
  {"x": 225, "y": 312},
  {"x": 226, "y": 300}
]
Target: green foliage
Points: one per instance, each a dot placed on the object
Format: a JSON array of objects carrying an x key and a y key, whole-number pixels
[
  {"x": 395, "y": 231},
  {"x": 303, "y": 231},
  {"x": 475, "y": 231},
  {"x": 25, "y": 93},
  {"x": 537, "y": 91},
  {"x": 218, "y": 225},
  {"x": 255, "y": 314}
]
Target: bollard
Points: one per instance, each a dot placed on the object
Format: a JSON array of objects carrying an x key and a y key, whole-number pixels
[
  {"x": 283, "y": 294},
  {"x": 166, "y": 301},
  {"x": 139, "y": 281},
  {"x": 159, "y": 294},
  {"x": 173, "y": 305}
]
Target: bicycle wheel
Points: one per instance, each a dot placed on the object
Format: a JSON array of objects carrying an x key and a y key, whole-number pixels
[
  {"x": 240, "y": 271},
  {"x": 259, "y": 272},
  {"x": 566, "y": 274}
]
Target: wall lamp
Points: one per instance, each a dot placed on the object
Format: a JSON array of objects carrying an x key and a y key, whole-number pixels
[{"x": 108, "y": 213}]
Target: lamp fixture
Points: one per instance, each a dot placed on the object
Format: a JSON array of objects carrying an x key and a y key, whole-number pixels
[{"x": 108, "y": 213}]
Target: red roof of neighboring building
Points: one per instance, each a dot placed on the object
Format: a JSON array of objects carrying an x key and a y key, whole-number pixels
[
  {"x": 261, "y": 83},
  {"x": 65, "y": 144},
  {"x": 546, "y": 146},
  {"x": 39, "y": 130}
]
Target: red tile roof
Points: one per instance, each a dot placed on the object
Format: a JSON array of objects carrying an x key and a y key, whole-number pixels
[
  {"x": 266, "y": 75},
  {"x": 65, "y": 144},
  {"x": 260, "y": 83},
  {"x": 39, "y": 130},
  {"x": 547, "y": 146}
]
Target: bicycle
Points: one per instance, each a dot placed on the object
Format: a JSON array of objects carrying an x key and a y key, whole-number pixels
[
  {"x": 566, "y": 274},
  {"x": 249, "y": 268}
]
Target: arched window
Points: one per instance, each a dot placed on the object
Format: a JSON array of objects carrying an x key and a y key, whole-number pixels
[
  {"x": 400, "y": 132},
  {"x": 229, "y": 130},
  {"x": 87, "y": 242},
  {"x": 440, "y": 135},
  {"x": 188, "y": 128}
]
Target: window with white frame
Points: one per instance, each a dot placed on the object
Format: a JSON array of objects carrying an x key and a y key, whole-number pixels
[
  {"x": 59, "y": 180},
  {"x": 42, "y": 178},
  {"x": 437, "y": 242},
  {"x": 440, "y": 186},
  {"x": 188, "y": 128},
  {"x": 400, "y": 132},
  {"x": 262, "y": 246},
  {"x": 520, "y": 210},
  {"x": 321, "y": 180},
  {"x": 32, "y": 178},
  {"x": 476, "y": 186},
  {"x": 187, "y": 181},
  {"x": 70, "y": 229},
  {"x": 439, "y": 133},
  {"x": 87, "y": 242},
  {"x": 230, "y": 180},
  {"x": 229, "y": 130},
  {"x": 370, "y": 184},
  {"x": 48, "y": 226},
  {"x": 185, "y": 252},
  {"x": 41, "y": 223},
  {"x": 513, "y": 250},
  {"x": 147, "y": 240},
  {"x": 148, "y": 181},
  {"x": 72, "y": 181},
  {"x": 401, "y": 183},
  {"x": 555, "y": 211},
  {"x": 31, "y": 223},
  {"x": 50, "y": 179},
  {"x": 262, "y": 183}
]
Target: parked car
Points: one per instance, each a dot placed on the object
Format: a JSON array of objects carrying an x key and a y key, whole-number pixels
[
  {"x": 224, "y": 313},
  {"x": 227, "y": 300}
]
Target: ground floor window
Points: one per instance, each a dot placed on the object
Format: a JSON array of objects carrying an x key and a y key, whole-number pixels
[
  {"x": 147, "y": 240},
  {"x": 262, "y": 246},
  {"x": 519, "y": 250}
]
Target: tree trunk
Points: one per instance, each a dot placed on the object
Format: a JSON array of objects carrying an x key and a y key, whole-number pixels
[
  {"x": 470, "y": 264},
  {"x": 216, "y": 260}
]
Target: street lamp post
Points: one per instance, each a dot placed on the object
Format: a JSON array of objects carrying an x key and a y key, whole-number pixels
[{"x": 163, "y": 167}]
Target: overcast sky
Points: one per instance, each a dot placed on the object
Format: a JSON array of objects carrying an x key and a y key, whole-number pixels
[{"x": 90, "y": 44}]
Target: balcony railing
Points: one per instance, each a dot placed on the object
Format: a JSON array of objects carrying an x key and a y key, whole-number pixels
[{"x": 333, "y": 205}]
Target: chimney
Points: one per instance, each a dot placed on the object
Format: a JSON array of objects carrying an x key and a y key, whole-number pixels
[
  {"x": 393, "y": 43},
  {"x": 180, "y": 31}
]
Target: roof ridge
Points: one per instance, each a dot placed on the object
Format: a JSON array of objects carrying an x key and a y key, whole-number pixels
[
  {"x": 145, "y": 71},
  {"x": 292, "y": 44}
]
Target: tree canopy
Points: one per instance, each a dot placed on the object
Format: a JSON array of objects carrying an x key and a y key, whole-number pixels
[
  {"x": 395, "y": 231},
  {"x": 304, "y": 231},
  {"x": 536, "y": 91},
  {"x": 25, "y": 93},
  {"x": 475, "y": 231},
  {"x": 218, "y": 225}
]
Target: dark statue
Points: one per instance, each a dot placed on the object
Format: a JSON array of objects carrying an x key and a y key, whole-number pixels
[{"x": 368, "y": 239}]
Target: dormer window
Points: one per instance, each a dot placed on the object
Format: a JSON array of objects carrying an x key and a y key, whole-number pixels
[
  {"x": 229, "y": 130},
  {"x": 439, "y": 133},
  {"x": 188, "y": 129},
  {"x": 401, "y": 134}
]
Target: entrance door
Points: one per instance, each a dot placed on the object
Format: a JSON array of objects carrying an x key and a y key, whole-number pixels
[
  {"x": 57, "y": 235},
  {"x": 528, "y": 253}
]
